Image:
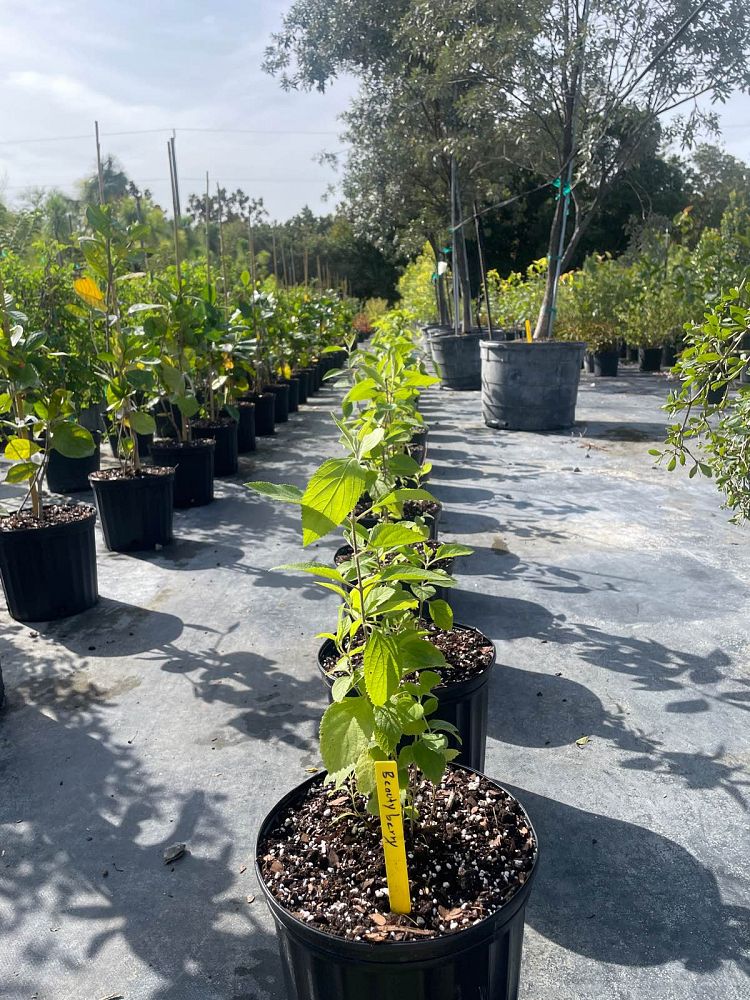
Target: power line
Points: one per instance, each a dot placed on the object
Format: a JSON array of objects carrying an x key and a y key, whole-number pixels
[{"x": 155, "y": 131}]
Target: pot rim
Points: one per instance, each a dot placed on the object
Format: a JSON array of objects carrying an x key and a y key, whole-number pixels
[
  {"x": 455, "y": 688},
  {"x": 388, "y": 951},
  {"x": 62, "y": 527},
  {"x": 169, "y": 444},
  {"x": 149, "y": 476},
  {"x": 514, "y": 345}
]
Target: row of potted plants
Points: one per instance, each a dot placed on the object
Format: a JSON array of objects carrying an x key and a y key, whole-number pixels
[
  {"x": 408, "y": 695},
  {"x": 186, "y": 384}
]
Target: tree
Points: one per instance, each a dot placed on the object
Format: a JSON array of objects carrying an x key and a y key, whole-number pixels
[
  {"x": 716, "y": 174},
  {"x": 568, "y": 93}
]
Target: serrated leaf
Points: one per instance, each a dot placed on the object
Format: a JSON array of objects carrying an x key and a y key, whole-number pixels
[
  {"x": 277, "y": 491},
  {"x": 430, "y": 762},
  {"x": 381, "y": 667},
  {"x": 345, "y": 732},
  {"x": 331, "y": 494},
  {"x": 391, "y": 536}
]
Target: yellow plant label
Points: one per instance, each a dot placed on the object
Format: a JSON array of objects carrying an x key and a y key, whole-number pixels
[
  {"x": 528, "y": 330},
  {"x": 392, "y": 826}
]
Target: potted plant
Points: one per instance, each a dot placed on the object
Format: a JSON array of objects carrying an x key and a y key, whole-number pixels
[
  {"x": 47, "y": 551},
  {"x": 528, "y": 385},
  {"x": 214, "y": 363},
  {"x": 178, "y": 330},
  {"x": 255, "y": 308},
  {"x": 432, "y": 930},
  {"x": 134, "y": 501},
  {"x": 589, "y": 303}
]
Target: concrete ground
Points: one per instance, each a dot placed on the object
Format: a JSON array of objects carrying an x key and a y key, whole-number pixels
[{"x": 185, "y": 704}]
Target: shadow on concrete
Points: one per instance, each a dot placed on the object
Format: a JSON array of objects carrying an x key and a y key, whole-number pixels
[
  {"x": 616, "y": 892},
  {"x": 85, "y": 845},
  {"x": 112, "y": 628}
]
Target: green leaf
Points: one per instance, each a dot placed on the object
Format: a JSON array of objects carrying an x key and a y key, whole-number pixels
[
  {"x": 392, "y": 536},
  {"x": 142, "y": 423},
  {"x": 173, "y": 378},
  {"x": 20, "y": 449},
  {"x": 441, "y": 614},
  {"x": 21, "y": 472},
  {"x": 187, "y": 405},
  {"x": 345, "y": 732},
  {"x": 72, "y": 440},
  {"x": 371, "y": 440},
  {"x": 315, "y": 569},
  {"x": 381, "y": 667},
  {"x": 387, "y": 727},
  {"x": 331, "y": 494},
  {"x": 417, "y": 653},
  {"x": 277, "y": 491},
  {"x": 429, "y": 761},
  {"x": 341, "y": 687}
]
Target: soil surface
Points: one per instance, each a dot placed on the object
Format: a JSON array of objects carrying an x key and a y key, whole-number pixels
[
  {"x": 412, "y": 508},
  {"x": 468, "y": 652},
  {"x": 211, "y": 424},
  {"x": 170, "y": 443},
  {"x": 53, "y": 514},
  {"x": 470, "y": 852},
  {"x": 130, "y": 473}
]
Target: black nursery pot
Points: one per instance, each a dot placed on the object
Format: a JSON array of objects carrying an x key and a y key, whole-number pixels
[
  {"x": 246, "y": 427},
  {"x": 606, "y": 363},
  {"x": 265, "y": 408},
  {"x": 293, "y": 384},
  {"x": 303, "y": 380},
  {"x": 465, "y": 705},
  {"x": 649, "y": 359},
  {"x": 482, "y": 962},
  {"x": 193, "y": 465},
  {"x": 668, "y": 356},
  {"x": 71, "y": 475},
  {"x": 281, "y": 407},
  {"x": 135, "y": 513},
  {"x": 588, "y": 362},
  {"x": 224, "y": 433},
  {"x": 49, "y": 572}
]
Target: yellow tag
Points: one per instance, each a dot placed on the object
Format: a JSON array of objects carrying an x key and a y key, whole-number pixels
[
  {"x": 528, "y": 330},
  {"x": 392, "y": 825}
]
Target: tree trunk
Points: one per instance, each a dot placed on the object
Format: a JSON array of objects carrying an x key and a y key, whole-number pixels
[{"x": 443, "y": 315}]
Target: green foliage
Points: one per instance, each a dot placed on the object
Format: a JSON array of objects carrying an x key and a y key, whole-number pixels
[
  {"x": 709, "y": 435},
  {"x": 416, "y": 286},
  {"x": 383, "y": 705}
]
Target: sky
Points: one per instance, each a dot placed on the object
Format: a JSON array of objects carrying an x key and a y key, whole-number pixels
[
  {"x": 152, "y": 67},
  {"x": 175, "y": 64}
]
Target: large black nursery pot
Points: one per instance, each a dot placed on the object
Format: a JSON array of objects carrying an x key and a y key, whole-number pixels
[
  {"x": 606, "y": 363},
  {"x": 281, "y": 405},
  {"x": 136, "y": 513},
  {"x": 482, "y": 962},
  {"x": 632, "y": 353},
  {"x": 50, "y": 572},
  {"x": 530, "y": 386},
  {"x": 464, "y": 704},
  {"x": 71, "y": 475},
  {"x": 246, "y": 427},
  {"x": 293, "y": 384},
  {"x": 649, "y": 359},
  {"x": 193, "y": 464},
  {"x": 265, "y": 409},
  {"x": 457, "y": 360},
  {"x": 224, "y": 432}
]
